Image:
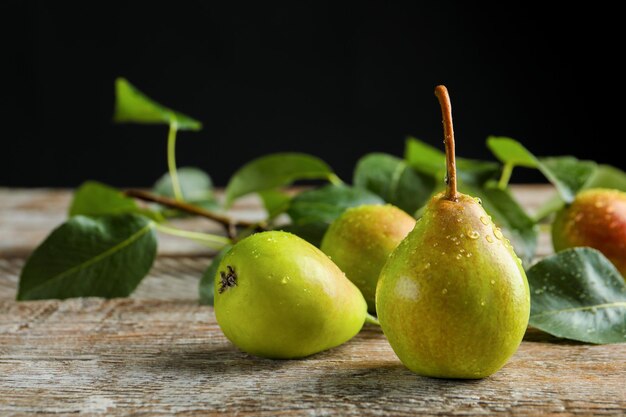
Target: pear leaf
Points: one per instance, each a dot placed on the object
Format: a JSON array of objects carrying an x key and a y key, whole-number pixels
[
  {"x": 133, "y": 106},
  {"x": 394, "y": 180},
  {"x": 276, "y": 170},
  {"x": 96, "y": 199},
  {"x": 578, "y": 294},
  {"x": 90, "y": 257}
]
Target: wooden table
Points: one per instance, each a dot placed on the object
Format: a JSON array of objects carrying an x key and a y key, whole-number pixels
[{"x": 160, "y": 353}]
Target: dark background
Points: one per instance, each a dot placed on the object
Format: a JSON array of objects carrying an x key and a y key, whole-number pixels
[{"x": 333, "y": 80}]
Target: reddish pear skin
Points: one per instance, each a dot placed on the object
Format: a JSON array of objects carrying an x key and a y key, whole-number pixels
[{"x": 596, "y": 218}]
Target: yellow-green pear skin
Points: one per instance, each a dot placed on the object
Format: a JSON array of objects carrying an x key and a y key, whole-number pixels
[
  {"x": 278, "y": 296},
  {"x": 453, "y": 298},
  {"x": 360, "y": 241}
]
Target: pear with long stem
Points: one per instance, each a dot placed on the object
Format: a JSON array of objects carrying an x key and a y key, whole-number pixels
[{"x": 453, "y": 297}]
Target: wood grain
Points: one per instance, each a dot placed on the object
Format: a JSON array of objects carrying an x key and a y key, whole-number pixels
[
  {"x": 169, "y": 357},
  {"x": 160, "y": 353}
]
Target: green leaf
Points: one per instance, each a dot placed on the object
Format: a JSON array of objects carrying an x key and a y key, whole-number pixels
[
  {"x": 132, "y": 106},
  {"x": 276, "y": 170},
  {"x": 568, "y": 174},
  {"x": 90, "y": 257},
  {"x": 394, "y": 180},
  {"x": 195, "y": 184},
  {"x": 604, "y": 176},
  {"x": 553, "y": 204},
  {"x": 314, "y": 210},
  {"x": 96, "y": 199},
  {"x": 206, "y": 287},
  {"x": 429, "y": 160},
  {"x": 311, "y": 232},
  {"x": 425, "y": 158},
  {"x": 578, "y": 294},
  {"x": 472, "y": 171},
  {"x": 325, "y": 204},
  {"x": 275, "y": 202},
  {"x": 607, "y": 176},
  {"x": 509, "y": 215},
  {"x": 510, "y": 151}
]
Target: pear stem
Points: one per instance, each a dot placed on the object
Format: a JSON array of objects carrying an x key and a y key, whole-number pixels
[
  {"x": 171, "y": 160},
  {"x": 371, "y": 319},
  {"x": 212, "y": 241},
  {"x": 448, "y": 139}
]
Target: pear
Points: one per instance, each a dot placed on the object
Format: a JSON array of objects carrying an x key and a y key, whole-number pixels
[
  {"x": 278, "y": 296},
  {"x": 453, "y": 298},
  {"x": 360, "y": 241},
  {"x": 596, "y": 218}
]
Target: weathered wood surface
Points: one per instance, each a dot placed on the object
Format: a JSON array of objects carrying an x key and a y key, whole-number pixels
[{"x": 159, "y": 353}]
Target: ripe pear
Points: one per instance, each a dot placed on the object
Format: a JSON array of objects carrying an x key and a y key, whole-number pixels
[
  {"x": 596, "y": 218},
  {"x": 278, "y": 296},
  {"x": 360, "y": 241},
  {"x": 453, "y": 298}
]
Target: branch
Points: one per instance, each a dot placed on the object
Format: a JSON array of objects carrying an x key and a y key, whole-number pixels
[{"x": 229, "y": 224}]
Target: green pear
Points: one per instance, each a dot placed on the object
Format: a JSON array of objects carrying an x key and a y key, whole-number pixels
[
  {"x": 278, "y": 296},
  {"x": 453, "y": 298},
  {"x": 360, "y": 241},
  {"x": 596, "y": 218}
]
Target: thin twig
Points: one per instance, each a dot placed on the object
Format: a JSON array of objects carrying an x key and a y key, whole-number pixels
[{"x": 230, "y": 225}]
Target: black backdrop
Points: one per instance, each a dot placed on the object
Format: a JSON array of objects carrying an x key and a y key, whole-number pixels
[{"x": 333, "y": 80}]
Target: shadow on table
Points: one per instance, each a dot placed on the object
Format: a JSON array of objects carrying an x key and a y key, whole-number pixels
[
  {"x": 222, "y": 359},
  {"x": 385, "y": 379},
  {"x": 323, "y": 369},
  {"x": 536, "y": 335}
]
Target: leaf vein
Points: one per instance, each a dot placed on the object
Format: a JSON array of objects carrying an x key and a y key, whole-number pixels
[
  {"x": 395, "y": 179},
  {"x": 109, "y": 252},
  {"x": 570, "y": 310}
]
